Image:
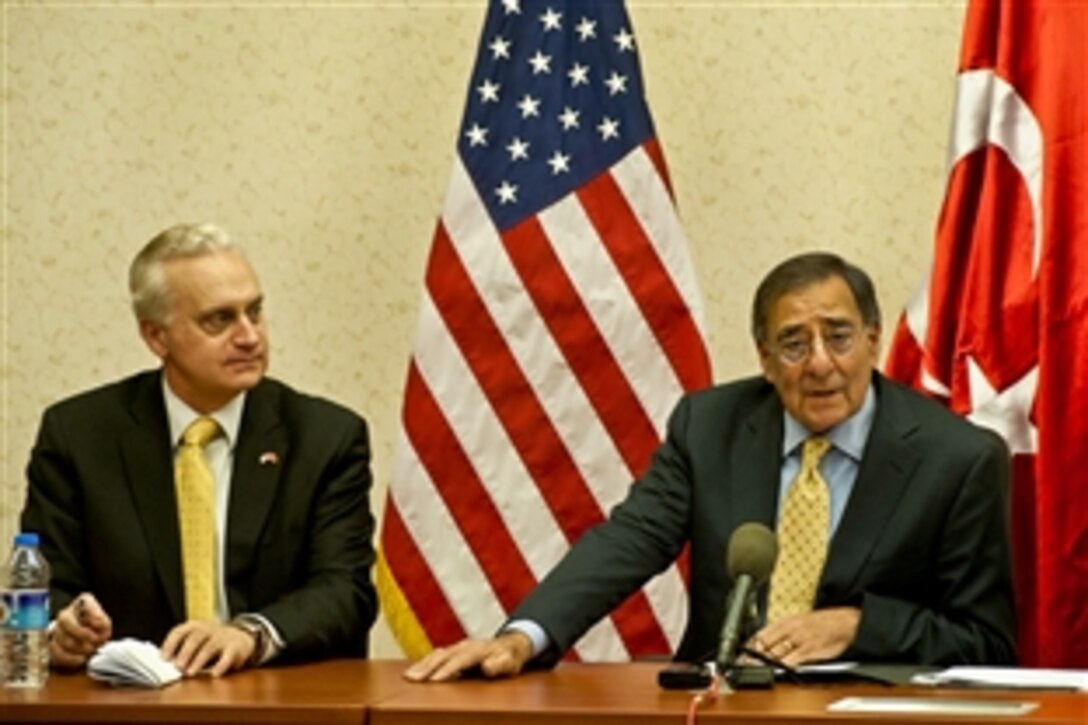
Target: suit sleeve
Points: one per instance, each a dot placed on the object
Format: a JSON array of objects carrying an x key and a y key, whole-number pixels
[
  {"x": 970, "y": 616},
  {"x": 332, "y": 608},
  {"x": 52, "y": 510},
  {"x": 641, "y": 537}
]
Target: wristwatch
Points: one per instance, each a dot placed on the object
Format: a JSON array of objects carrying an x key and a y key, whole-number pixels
[{"x": 255, "y": 628}]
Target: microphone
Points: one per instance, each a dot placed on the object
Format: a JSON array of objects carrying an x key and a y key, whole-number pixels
[{"x": 749, "y": 560}]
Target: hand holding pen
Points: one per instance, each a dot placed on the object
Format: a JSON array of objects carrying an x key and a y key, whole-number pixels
[{"x": 78, "y": 631}]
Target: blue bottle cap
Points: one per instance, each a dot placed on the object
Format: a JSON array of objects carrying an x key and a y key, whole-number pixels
[{"x": 28, "y": 538}]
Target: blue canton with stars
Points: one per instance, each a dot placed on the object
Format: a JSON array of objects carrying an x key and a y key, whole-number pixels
[{"x": 555, "y": 99}]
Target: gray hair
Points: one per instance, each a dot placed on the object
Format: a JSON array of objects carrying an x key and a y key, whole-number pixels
[{"x": 147, "y": 278}]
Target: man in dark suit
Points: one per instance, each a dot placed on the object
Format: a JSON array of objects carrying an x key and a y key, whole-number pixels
[
  {"x": 289, "y": 473},
  {"x": 917, "y": 569}
]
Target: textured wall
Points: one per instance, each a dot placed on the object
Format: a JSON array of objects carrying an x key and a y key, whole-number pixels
[{"x": 321, "y": 135}]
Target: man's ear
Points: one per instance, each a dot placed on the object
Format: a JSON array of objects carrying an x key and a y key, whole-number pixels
[
  {"x": 872, "y": 336},
  {"x": 765, "y": 361},
  {"x": 154, "y": 336}
]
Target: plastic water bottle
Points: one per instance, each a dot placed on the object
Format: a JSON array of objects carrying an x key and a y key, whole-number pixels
[{"x": 26, "y": 606}]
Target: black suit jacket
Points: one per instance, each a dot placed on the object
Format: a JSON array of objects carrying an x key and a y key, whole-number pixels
[
  {"x": 299, "y": 533},
  {"x": 922, "y": 548}
]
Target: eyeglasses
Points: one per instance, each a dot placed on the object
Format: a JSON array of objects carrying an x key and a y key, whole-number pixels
[{"x": 796, "y": 350}]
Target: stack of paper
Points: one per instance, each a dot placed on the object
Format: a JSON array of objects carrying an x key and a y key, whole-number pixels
[
  {"x": 1011, "y": 677},
  {"x": 132, "y": 662},
  {"x": 932, "y": 706}
]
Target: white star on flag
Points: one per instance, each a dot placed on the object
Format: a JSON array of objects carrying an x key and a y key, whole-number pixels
[
  {"x": 578, "y": 74},
  {"x": 551, "y": 19},
  {"x": 609, "y": 128},
  {"x": 500, "y": 48}
]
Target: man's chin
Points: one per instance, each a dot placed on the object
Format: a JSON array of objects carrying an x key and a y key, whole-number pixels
[
  {"x": 821, "y": 416},
  {"x": 243, "y": 380}
]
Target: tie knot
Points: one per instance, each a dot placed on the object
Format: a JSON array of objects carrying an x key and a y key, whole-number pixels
[
  {"x": 200, "y": 431},
  {"x": 814, "y": 451}
]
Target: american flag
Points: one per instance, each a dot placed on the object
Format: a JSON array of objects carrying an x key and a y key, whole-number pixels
[{"x": 560, "y": 322}]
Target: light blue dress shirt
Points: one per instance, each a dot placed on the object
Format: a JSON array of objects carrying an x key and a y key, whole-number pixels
[{"x": 839, "y": 466}]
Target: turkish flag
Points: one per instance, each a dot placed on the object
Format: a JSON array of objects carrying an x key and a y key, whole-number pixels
[{"x": 999, "y": 327}]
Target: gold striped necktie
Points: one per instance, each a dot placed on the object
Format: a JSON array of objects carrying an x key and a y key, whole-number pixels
[
  {"x": 803, "y": 526},
  {"x": 194, "y": 487}
]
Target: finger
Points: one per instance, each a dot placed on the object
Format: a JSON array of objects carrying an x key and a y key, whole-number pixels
[
  {"x": 89, "y": 636},
  {"x": 177, "y": 637},
  {"x": 188, "y": 658},
  {"x": 66, "y": 651},
  {"x": 73, "y": 638},
  {"x": 231, "y": 657},
  {"x": 207, "y": 652},
  {"x": 784, "y": 650},
  {"x": 461, "y": 657},
  {"x": 507, "y": 655},
  {"x": 756, "y": 644},
  {"x": 94, "y": 615},
  {"x": 500, "y": 663},
  {"x": 458, "y": 660},
  {"x": 173, "y": 638},
  {"x": 422, "y": 669},
  {"x": 232, "y": 649},
  {"x": 68, "y": 621},
  {"x": 74, "y": 644},
  {"x": 765, "y": 638},
  {"x": 446, "y": 663},
  {"x": 224, "y": 664},
  {"x": 182, "y": 643},
  {"x": 65, "y": 659}
]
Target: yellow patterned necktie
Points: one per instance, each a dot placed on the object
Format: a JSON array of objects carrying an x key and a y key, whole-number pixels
[
  {"x": 802, "y": 536},
  {"x": 194, "y": 487}
]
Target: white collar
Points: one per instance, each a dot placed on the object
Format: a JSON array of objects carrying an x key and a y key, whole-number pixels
[
  {"x": 848, "y": 436},
  {"x": 179, "y": 415}
]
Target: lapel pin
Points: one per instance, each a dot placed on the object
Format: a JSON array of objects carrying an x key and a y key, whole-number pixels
[{"x": 269, "y": 458}]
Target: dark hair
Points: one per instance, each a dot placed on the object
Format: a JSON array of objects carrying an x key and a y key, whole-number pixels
[{"x": 803, "y": 270}]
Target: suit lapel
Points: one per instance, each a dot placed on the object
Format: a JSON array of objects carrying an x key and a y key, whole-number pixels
[
  {"x": 887, "y": 464},
  {"x": 147, "y": 458},
  {"x": 259, "y": 459},
  {"x": 755, "y": 469},
  {"x": 756, "y": 461}
]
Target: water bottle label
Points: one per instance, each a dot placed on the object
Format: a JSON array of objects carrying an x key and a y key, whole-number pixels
[{"x": 26, "y": 609}]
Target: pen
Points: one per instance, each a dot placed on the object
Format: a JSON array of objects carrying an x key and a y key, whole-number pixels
[{"x": 81, "y": 610}]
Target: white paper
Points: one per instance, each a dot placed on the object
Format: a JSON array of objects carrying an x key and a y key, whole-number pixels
[
  {"x": 132, "y": 662},
  {"x": 932, "y": 705},
  {"x": 821, "y": 668},
  {"x": 1009, "y": 677}
]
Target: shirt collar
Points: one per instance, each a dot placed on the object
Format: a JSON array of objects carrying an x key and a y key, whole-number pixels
[
  {"x": 180, "y": 416},
  {"x": 849, "y": 436}
]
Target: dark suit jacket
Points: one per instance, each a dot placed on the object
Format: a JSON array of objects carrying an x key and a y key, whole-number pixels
[
  {"x": 299, "y": 532},
  {"x": 922, "y": 548}
]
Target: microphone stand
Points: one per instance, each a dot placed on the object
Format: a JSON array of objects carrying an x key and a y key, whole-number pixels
[{"x": 740, "y": 676}]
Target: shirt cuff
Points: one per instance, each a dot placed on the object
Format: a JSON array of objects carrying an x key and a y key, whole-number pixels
[
  {"x": 272, "y": 643},
  {"x": 536, "y": 634}
]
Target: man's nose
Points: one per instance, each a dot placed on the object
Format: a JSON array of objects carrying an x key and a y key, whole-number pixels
[
  {"x": 247, "y": 331},
  {"x": 819, "y": 359}
]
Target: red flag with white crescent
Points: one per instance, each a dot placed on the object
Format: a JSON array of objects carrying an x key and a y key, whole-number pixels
[{"x": 999, "y": 327}]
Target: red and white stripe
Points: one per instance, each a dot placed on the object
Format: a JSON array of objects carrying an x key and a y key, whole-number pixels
[{"x": 546, "y": 362}]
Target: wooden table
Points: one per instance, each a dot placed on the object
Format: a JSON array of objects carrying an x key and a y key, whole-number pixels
[
  {"x": 373, "y": 692},
  {"x": 339, "y": 691},
  {"x": 615, "y": 694}
]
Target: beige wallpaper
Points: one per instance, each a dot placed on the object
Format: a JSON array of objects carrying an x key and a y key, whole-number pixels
[{"x": 321, "y": 134}]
